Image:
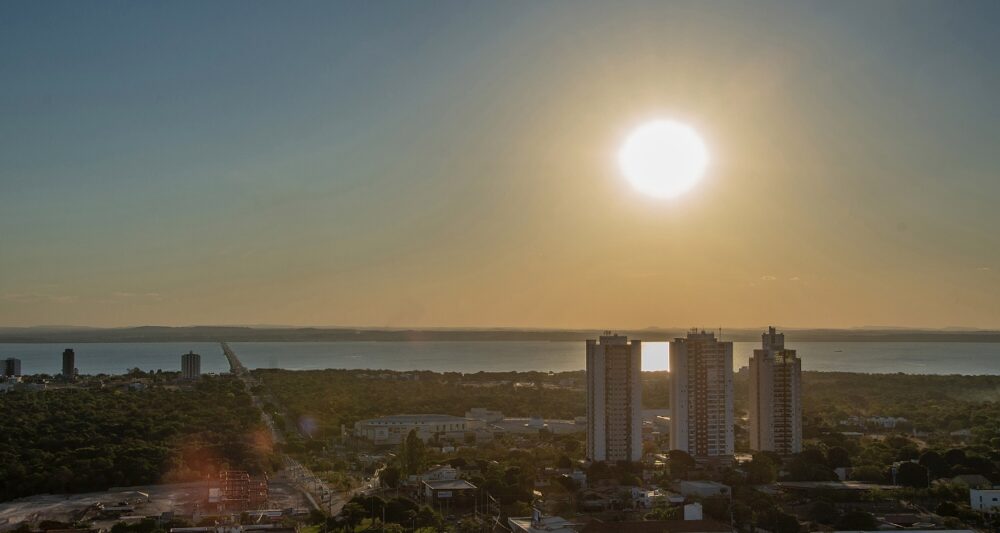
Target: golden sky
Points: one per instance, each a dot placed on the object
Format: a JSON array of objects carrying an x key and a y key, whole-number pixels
[{"x": 393, "y": 165}]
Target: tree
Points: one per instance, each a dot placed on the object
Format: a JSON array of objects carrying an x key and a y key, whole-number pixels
[
  {"x": 786, "y": 523},
  {"x": 717, "y": 508},
  {"x": 857, "y": 521},
  {"x": 571, "y": 445},
  {"x": 568, "y": 483},
  {"x": 947, "y": 509},
  {"x": 908, "y": 453},
  {"x": 761, "y": 470},
  {"x": 838, "y": 457},
  {"x": 810, "y": 465},
  {"x": 390, "y": 477},
  {"x": 663, "y": 513},
  {"x": 599, "y": 470},
  {"x": 812, "y": 455},
  {"x": 742, "y": 514},
  {"x": 413, "y": 454},
  {"x": 869, "y": 473},
  {"x": 315, "y": 517},
  {"x": 400, "y": 510},
  {"x": 680, "y": 463},
  {"x": 935, "y": 463},
  {"x": 469, "y": 525},
  {"x": 427, "y": 517},
  {"x": 353, "y": 514},
  {"x": 911, "y": 475},
  {"x": 824, "y": 512},
  {"x": 955, "y": 456}
]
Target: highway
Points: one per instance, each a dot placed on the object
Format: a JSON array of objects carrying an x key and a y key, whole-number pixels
[
  {"x": 319, "y": 494},
  {"x": 235, "y": 366}
]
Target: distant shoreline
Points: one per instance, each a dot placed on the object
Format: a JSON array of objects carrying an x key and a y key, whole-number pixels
[{"x": 29, "y": 335}]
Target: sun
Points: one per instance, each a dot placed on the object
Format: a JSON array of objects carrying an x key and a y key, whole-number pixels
[{"x": 663, "y": 158}]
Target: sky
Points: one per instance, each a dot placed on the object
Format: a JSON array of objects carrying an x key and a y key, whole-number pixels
[{"x": 408, "y": 164}]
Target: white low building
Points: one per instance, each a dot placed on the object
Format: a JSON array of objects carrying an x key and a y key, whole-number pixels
[
  {"x": 394, "y": 429},
  {"x": 651, "y": 498},
  {"x": 436, "y": 473},
  {"x": 985, "y": 500},
  {"x": 536, "y": 523}
]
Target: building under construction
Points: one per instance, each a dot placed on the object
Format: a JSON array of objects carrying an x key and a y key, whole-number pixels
[{"x": 235, "y": 490}]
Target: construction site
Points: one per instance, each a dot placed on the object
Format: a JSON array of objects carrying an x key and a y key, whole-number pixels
[
  {"x": 236, "y": 491},
  {"x": 220, "y": 500}
]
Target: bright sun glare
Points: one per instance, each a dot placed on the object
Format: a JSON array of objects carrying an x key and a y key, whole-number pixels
[{"x": 663, "y": 158}]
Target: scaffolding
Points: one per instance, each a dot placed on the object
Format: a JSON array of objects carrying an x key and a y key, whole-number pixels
[{"x": 237, "y": 491}]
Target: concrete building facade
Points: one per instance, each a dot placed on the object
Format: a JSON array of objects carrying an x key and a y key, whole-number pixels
[
  {"x": 69, "y": 363},
  {"x": 614, "y": 399},
  {"x": 190, "y": 366},
  {"x": 701, "y": 395},
  {"x": 775, "y": 396},
  {"x": 11, "y": 367},
  {"x": 394, "y": 429},
  {"x": 985, "y": 500}
]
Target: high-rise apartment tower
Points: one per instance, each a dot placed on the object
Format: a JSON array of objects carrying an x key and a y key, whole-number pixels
[
  {"x": 190, "y": 366},
  {"x": 775, "y": 396},
  {"x": 614, "y": 399},
  {"x": 701, "y": 395},
  {"x": 69, "y": 364},
  {"x": 11, "y": 367}
]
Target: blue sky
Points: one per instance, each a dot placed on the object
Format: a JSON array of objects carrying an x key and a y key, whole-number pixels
[{"x": 452, "y": 163}]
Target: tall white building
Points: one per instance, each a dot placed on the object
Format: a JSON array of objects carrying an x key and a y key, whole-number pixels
[
  {"x": 701, "y": 395},
  {"x": 614, "y": 399},
  {"x": 775, "y": 396},
  {"x": 190, "y": 366}
]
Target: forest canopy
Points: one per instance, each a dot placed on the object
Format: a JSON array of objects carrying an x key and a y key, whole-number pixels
[{"x": 79, "y": 440}]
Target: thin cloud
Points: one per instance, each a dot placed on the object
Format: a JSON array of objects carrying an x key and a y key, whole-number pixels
[
  {"x": 34, "y": 298},
  {"x": 769, "y": 278},
  {"x": 123, "y": 295}
]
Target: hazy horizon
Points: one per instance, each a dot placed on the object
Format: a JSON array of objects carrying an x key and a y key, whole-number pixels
[
  {"x": 363, "y": 327},
  {"x": 451, "y": 164}
]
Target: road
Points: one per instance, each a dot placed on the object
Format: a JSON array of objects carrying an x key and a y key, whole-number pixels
[
  {"x": 235, "y": 366},
  {"x": 320, "y": 495}
]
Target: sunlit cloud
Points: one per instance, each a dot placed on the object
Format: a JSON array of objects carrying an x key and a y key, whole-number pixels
[{"x": 768, "y": 278}]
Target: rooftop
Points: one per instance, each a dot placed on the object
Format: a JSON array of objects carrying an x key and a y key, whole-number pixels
[
  {"x": 705, "y": 484},
  {"x": 414, "y": 418},
  {"x": 548, "y": 524},
  {"x": 658, "y": 526},
  {"x": 450, "y": 484}
]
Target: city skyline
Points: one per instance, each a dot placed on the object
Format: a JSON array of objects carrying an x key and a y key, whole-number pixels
[
  {"x": 468, "y": 267},
  {"x": 454, "y": 165}
]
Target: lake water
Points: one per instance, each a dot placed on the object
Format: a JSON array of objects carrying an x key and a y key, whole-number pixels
[{"x": 489, "y": 356}]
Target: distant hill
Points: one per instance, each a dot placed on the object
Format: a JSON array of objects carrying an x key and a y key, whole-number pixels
[{"x": 293, "y": 334}]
